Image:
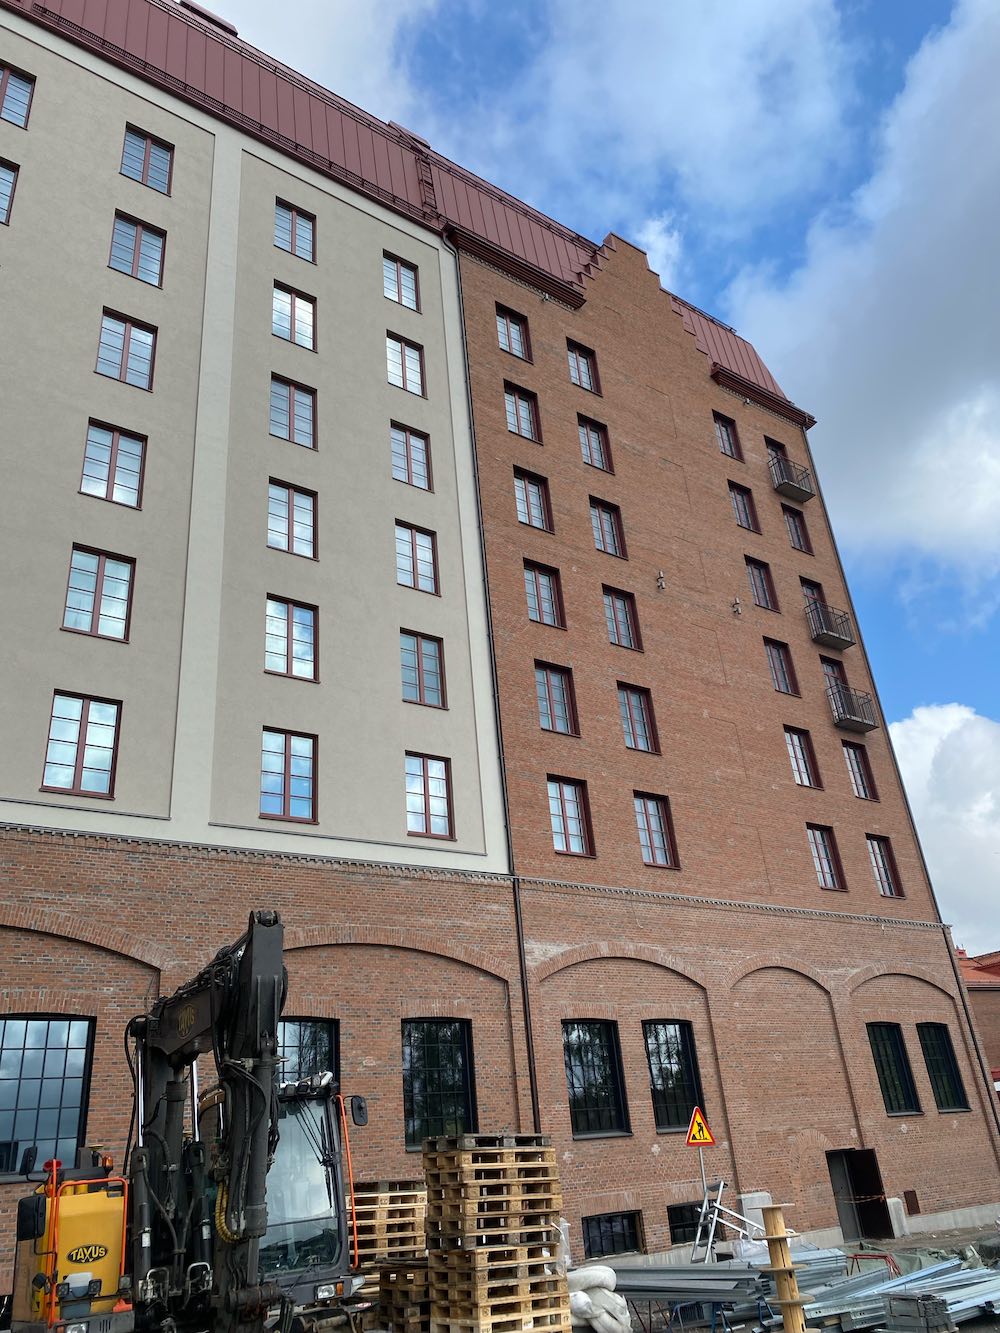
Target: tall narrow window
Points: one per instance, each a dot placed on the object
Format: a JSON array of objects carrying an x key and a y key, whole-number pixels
[
  {"x": 416, "y": 558},
  {"x": 113, "y": 465},
  {"x": 137, "y": 249},
  {"x": 82, "y": 746},
  {"x": 826, "y": 859},
  {"x": 308, "y": 1046},
  {"x": 942, "y": 1067},
  {"x": 673, "y": 1073},
  {"x": 621, "y": 618},
  {"x": 725, "y": 433},
  {"x": 126, "y": 350},
  {"x": 541, "y": 586},
  {"x": 656, "y": 830},
  {"x": 294, "y": 230},
  {"x": 291, "y": 519},
  {"x": 531, "y": 496},
  {"x": 411, "y": 456},
  {"x": 761, "y": 584},
  {"x": 99, "y": 595},
  {"x": 293, "y": 317},
  {"x": 421, "y": 660},
  {"x": 438, "y": 1082},
  {"x": 774, "y": 449},
  {"x": 834, "y": 672},
  {"x": 595, "y": 1080},
  {"x": 798, "y": 533},
  {"x": 288, "y": 776},
  {"x": 45, "y": 1062},
  {"x": 803, "y": 758},
  {"x": 428, "y": 796},
  {"x": 570, "y": 817},
  {"x": 612, "y": 1233},
  {"x": 779, "y": 659},
  {"x": 399, "y": 282},
  {"x": 606, "y": 522},
  {"x": 512, "y": 333},
  {"x": 744, "y": 507},
  {"x": 556, "y": 704},
  {"x": 521, "y": 408},
  {"x": 860, "y": 770},
  {"x": 636, "y": 708},
  {"x": 292, "y": 413},
  {"x": 8, "y": 182},
  {"x": 404, "y": 364},
  {"x": 594, "y": 444},
  {"x": 883, "y": 866},
  {"x": 147, "y": 160},
  {"x": 892, "y": 1064},
  {"x": 812, "y": 591},
  {"x": 290, "y": 639},
  {"x": 15, "y": 96},
  {"x": 582, "y": 367}
]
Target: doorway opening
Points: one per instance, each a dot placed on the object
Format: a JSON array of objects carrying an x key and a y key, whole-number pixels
[{"x": 859, "y": 1194}]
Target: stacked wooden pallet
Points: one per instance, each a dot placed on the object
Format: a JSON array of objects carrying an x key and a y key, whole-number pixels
[
  {"x": 404, "y": 1302},
  {"x": 493, "y": 1206},
  {"x": 390, "y": 1220}
]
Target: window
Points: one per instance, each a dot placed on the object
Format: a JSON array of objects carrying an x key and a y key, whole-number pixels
[
  {"x": 612, "y": 1233},
  {"x": 621, "y": 618},
  {"x": 798, "y": 533},
  {"x": 858, "y": 766},
  {"x": 569, "y": 816},
  {"x": 673, "y": 1073},
  {"x": 99, "y": 594},
  {"x": 44, "y": 1086},
  {"x": 404, "y": 363},
  {"x": 15, "y": 96},
  {"x": 421, "y": 660},
  {"x": 636, "y": 708},
  {"x": 606, "y": 522},
  {"x": 812, "y": 592},
  {"x": 292, "y": 413},
  {"x": 126, "y": 350},
  {"x": 656, "y": 830},
  {"x": 774, "y": 449},
  {"x": 308, "y": 1046},
  {"x": 8, "y": 180},
  {"x": 541, "y": 586},
  {"x": 884, "y": 866},
  {"x": 147, "y": 160},
  {"x": 399, "y": 282},
  {"x": 942, "y": 1067},
  {"x": 594, "y": 1078},
  {"x": 833, "y": 672},
  {"x": 594, "y": 444},
  {"x": 826, "y": 859},
  {"x": 800, "y": 751},
  {"x": 291, "y": 519},
  {"x": 411, "y": 457},
  {"x": 582, "y": 367},
  {"x": 438, "y": 1087},
  {"x": 522, "y": 412},
  {"x": 294, "y": 230},
  {"x": 556, "y": 702},
  {"x": 137, "y": 249},
  {"x": 779, "y": 659},
  {"x": 892, "y": 1065},
  {"x": 761, "y": 584},
  {"x": 290, "y": 639},
  {"x": 682, "y": 1219},
  {"x": 288, "y": 776},
  {"x": 82, "y": 746},
  {"x": 428, "y": 796},
  {"x": 512, "y": 333},
  {"x": 531, "y": 495},
  {"x": 744, "y": 507},
  {"x": 113, "y": 465},
  {"x": 416, "y": 558},
  {"x": 725, "y": 433},
  {"x": 293, "y": 317}
]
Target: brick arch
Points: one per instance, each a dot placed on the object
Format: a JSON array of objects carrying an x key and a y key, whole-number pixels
[
  {"x": 609, "y": 950},
  {"x": 876, "y": 970},
  {"x": 778, "y": 962},
  {"x": 85, "y": 931},
  {"x": 396, "y": 937}
]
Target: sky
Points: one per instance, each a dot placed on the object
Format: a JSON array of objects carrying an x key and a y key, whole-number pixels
[{"x": 825, "y": 176}]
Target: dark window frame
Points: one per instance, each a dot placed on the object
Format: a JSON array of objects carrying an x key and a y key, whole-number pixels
[
  {"x": 418, "y": 1127},
  {"x": 102, "y": 558},
  {"x": 406, "y": 344},
  {"x": 399, "y": 264},
  {"x": 421, "y": 639},
  {"x": 682, "y": 1221},
  {"x": 583, "y": 804},
  {"x": 743, "y": 496},
  {"x": 859, "y": 769},
  {"x": 663, "y": 807},
  {"x": 509, "y": 317},
  {"x": 292, "y": 491},
  {"x": 150, "y": 141},
  {"x": 535, "y": 569},
  {"x": 796, "y": 527},
  {"x": 618, "y": 598},
  {"x": 726, "y": 427},
  {"x": 577, "y": 354},
  {"x": 550, "y": 669},
  {"x": 783, "y": 653},
  {"x": 116, "y": 433},
  {"x": 601, "y": 1232},
  {"x": 425, "y": 759},
  {"x": 585, "y": 426},
  {"x": 598, "y": 1118},
  {"x": 541, "y": 484},
  {"x": 883, "y": 863},
  {"x": 81, "y": 743},
  {"x": 410, "y": 434},
  {"x": 831, "y": 858},
  {"x": 413, "y": 529},
  {"x": 141, "y": 229},
  {"x": 293, "y": 1074},
  {"x": 295, "y": 214},
  {"x": 13, "y": 1148},
  {"x": 286, "y": 796},
  {"x": 5, "y": 73},
  {"x": 802, "y": 756},
  {"x": 292, "y": 389},
  {"x": 528, "y": 399},
  {"x": 893, "y": 1069},
  {"x": 296, "y": 296},
  {"x": 14, "y": 169},
  {"x": 672, "y": 1115},
  {"x": 628, "y": 697},
  {"x": 765, "y": 588},
  {"x": 291, "y": 606},
  {"x": 601, "y": 510},
  {"x": 941, "y": 1063},
  {"x": 130, "y": 326}
]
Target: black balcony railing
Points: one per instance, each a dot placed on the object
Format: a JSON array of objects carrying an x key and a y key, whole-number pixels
[
  {"x": 790, "y": 479},
  {"x": 852, "y": 709},
  {"x": 829, "y": 626}
]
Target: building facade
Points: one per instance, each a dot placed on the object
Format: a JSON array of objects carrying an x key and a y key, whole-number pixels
[{"x": 422, "y": 570}]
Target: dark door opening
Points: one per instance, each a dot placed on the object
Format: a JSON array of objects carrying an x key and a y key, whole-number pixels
[{"x": 858, "y": 1192}]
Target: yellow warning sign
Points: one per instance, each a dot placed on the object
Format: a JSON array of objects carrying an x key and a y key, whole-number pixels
[{"x": 699, "y": 1134}]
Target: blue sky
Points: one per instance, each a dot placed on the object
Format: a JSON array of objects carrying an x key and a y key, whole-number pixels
[{"x": 824, "y": 175}]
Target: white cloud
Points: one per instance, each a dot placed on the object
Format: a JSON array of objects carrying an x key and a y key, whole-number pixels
[
  {"x": 663, "y": 244},
  {"x": 889, "y": 330},
  {"x": 949, "y": 756}
]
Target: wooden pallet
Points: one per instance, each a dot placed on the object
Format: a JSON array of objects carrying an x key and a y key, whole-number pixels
[
  {"x": 500, "y": 1238},
  {"x": 483, "y": 1205},
  {"x": 467, "y": 1142},
  {"x": 520, "y": 1321},
  {"x": 389, "y": 1217},
  {"x": 466, "y": 1159},
  {"x": 404, "y": 1291},
  {"x": 468, "y": 1175},
  {"x": 513, "y": 1257},
  {"x": 486, "y": 1287}
]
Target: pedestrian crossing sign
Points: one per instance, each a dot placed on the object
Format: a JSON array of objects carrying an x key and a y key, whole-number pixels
[{"x": 699, "y": 1134}]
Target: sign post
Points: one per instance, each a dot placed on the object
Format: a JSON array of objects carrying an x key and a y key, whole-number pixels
[{"x": 700, "y": 1136}]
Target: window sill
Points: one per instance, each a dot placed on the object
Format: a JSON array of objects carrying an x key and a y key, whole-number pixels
[
  {"x": 604, "y": 1134},
  {"x": 287, "y": 675},
  {"x": 901, "y": 1115},
  {"x": 90, "y": 634},
  {"x": 292, "y": 343},
  {"x": 422, "y": 703},
  {"x": 954, "y": 1110},
  {"x": 287, "y": 819},
  {"x": 433, "y": 837},
  {"x": 117, "y": 379},
  {"x": 70, "y": 791},
  {"x": 580, "y": 856}
]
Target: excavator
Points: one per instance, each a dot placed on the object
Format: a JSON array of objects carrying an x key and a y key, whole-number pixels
[{"x": 230, "y": 1214}]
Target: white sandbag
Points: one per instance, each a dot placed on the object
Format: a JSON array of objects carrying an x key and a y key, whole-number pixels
[
  {"x": 594, "y": 1275},
  {"x": 581, "y": 1306},
  {"x": 606, "y": 1323},
  {"x": 609, "y": 1301}
]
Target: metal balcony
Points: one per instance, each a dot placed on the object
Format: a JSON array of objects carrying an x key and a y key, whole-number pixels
[
  {"x": 790, "y": 479},
  {"x": 853, "y": 710},
  {"x": 829, "y": 626}
]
